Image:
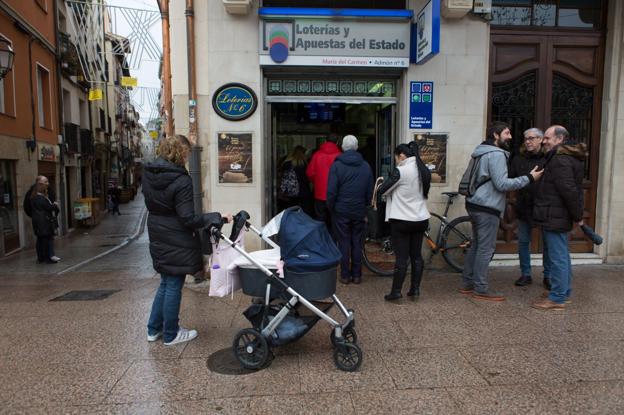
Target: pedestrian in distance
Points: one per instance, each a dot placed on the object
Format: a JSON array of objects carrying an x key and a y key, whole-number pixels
[
  {"x": 172, "y": 227},
  {"x": 116, "y": 200},
  {"x": 406, "y": 192},
  {"x": 318, "y": 173},
  {"x": 557, "y": 207},
  {"x": 349, "y": 192},
  {"x": 531, "y": 154},
  {"x": 28, "y": 210},
  {"x": 44, "y": 221},
  {"x": 485, "y": 202}
]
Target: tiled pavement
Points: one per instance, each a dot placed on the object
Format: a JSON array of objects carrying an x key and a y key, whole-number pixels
[{"x": 443, "y": 354}]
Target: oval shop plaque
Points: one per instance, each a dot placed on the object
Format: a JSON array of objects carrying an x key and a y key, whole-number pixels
[{"x": 234, "y": 101}]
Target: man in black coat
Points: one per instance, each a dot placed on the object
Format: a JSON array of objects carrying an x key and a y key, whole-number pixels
[
  {"x": 558, "y": 205},
  {"x": 530, "y": 155},
  {"x": 349, "y": 192}
]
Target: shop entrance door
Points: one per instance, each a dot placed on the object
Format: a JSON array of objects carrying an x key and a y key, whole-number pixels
[
  {"x": 303, "y": 126},
  {"x": 542, "y": 79}
]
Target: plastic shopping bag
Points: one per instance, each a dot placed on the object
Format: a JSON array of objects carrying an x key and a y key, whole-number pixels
[{"x": 222, "y": 281}]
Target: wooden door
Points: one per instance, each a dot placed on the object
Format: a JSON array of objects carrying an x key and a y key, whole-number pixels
[{"x": 540, "y": 78}]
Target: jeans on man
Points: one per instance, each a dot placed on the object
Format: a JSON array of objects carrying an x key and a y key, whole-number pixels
[
  {"x": 524, "y": 250},
  {"x": 349, "y": 234},
  {"x": 484, "y": 230},
  {"x": 560, "y": 265},
  {"x": 43, "y": 248},
  {"x": 166, "y": 307}
]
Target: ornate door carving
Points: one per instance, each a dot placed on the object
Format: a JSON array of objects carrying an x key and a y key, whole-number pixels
[{"x": 540, "y": 79}]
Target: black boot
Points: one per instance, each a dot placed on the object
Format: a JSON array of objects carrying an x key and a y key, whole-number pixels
[
  {"x": 417, "y": 271},
  {"x": 397, "y": 284}
]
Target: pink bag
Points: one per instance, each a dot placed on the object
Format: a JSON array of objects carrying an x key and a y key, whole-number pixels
[{"x": 222, "y": 281}]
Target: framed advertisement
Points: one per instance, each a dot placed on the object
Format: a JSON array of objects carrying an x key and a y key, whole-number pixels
[
  {"x": 235, "y": 157},
  {"x": 433, "y": 151}
]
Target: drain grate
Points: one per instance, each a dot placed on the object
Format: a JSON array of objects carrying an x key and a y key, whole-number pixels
[
  {"x": 224, "y": 362},
  {"x": 85, "y": 295}
]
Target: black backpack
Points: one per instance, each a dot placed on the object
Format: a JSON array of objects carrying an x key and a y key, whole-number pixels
[{"x": 468, "y": 185}]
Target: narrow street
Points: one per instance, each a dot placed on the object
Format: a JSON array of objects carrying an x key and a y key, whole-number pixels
[{"x": 442, "y": 354}]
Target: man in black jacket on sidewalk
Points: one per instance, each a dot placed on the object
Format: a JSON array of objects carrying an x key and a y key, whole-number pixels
[
  {"x": 349, "y": 192},
  {"x": 557, "y": 206},
  {"x": 531, "y": 155}
]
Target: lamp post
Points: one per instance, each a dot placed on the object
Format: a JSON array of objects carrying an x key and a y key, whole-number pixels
[{"x": 6, "y": 57}]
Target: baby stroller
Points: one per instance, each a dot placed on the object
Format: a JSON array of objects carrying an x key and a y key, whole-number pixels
[{"x": 290, "y": 305}]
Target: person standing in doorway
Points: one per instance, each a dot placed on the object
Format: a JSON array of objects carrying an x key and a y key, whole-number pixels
[
  {"x": 558, "y": 206},
  {"x": 349, "y": 191},
  {"x": 294, "y": 187},
  {"x": 44, "y": 213},
  {"x": 406, "y": 192},
  {"x": 485, "y": 208},
  {"x": 530, "y": 155},
  {"x": 172, "y": 226},
  {"x": 318, "y": 173}
]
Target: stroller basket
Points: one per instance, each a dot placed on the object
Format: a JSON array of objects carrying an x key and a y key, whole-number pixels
[{"x": 316, "y": 285}]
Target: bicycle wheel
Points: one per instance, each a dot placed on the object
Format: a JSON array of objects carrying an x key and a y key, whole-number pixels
[
  {"x": 456, "y": 240},
  {"x": 430, "y": 241},
  {"x": 378, "y": 255}
]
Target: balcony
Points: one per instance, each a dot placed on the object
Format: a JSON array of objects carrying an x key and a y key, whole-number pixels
[
  {"x": 70, "y": 62},
  {"x": 87, "y": 147},
  {"x": 72, "y": 134}
]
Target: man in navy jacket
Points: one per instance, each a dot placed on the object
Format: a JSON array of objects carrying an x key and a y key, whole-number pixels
[{"x": 349, "y": 192}]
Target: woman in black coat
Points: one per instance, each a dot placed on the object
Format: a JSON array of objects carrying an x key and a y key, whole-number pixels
[
  {"x": 44, "y": 213},
  {"x": 173, "y": 228}
]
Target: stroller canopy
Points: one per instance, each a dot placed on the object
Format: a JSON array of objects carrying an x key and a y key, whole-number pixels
[{"x": 305, "y": 243}]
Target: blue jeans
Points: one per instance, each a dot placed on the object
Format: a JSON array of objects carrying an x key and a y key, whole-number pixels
[
  {"x": 166, "y": 307},
  {"x": 560, "y": 265},
  {"x": 524, "y": 250}
]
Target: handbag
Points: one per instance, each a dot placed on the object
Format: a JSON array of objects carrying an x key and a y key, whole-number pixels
[{"x": 374, "y": 215}]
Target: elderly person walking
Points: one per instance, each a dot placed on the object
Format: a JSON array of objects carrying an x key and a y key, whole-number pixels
[
  {"x": 174, "y": 243},
  {"x": 44, "y": 213},
  {"x": 349, "y": 192},
  {"x": 406, "y": 192}
]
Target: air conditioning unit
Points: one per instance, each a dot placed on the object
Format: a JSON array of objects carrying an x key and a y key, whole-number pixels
[
  {"x": 455, "y": 9},
  {"x": 237, "y": 6}
]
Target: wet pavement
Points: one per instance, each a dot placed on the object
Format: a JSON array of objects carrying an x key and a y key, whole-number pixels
[{"x": 443, "y": 354}]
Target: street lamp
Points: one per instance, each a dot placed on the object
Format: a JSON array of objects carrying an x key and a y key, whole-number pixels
[{"x": 6, "y": 57}]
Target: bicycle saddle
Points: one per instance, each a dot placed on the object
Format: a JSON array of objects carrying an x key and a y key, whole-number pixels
[{"x": 450, "y": 194}]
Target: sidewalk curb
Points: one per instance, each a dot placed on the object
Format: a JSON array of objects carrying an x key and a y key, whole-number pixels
[{"x": 139, "y": 230}]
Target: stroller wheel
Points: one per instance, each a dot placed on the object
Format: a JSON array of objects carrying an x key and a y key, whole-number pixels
[
  {"x": 348, "y": 357},
  {"x": 348, "y": 334},
  {"x": 251, "y": 349}
]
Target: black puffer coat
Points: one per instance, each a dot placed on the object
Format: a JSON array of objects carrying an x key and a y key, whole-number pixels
[
  {"x": 350, "y": 185},
  {"x": 558, "y": 202},
  {"x": 43, "y": 215},
  {"x": 174, "y": 244},
  {"x": 521, "y": 165}
]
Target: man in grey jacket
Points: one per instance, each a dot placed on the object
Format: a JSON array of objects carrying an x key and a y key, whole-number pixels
[{"x": 486, "y": 207}]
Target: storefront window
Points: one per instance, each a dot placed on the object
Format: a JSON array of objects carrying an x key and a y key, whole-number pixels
[
  {"x": 561, "y": 13},
  {"x": 8, "y": 204},
  {"x": 338, "y": 4}
]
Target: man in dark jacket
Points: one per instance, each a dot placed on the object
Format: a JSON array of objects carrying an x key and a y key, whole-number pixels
[
  {"x": 558, "y": 204},
  {"x": 530, "y": 155},
  {"x": 349, "y": 192},
  {"x": 317, "y": 172},
  {"x": 28, "y": 210}
]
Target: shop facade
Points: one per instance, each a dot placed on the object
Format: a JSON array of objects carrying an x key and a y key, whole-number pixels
[{"x": 309, "y": 73}]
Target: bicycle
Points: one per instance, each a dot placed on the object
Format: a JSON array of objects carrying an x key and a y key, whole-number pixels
[{"x": 453, "y": 239}]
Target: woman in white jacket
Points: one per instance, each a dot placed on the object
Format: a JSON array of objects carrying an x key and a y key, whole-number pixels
[{"x": 406, "y": 192}]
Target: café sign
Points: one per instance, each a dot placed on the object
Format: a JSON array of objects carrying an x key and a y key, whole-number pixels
[
  {"x": 322, "y": 42},
  {"x": 234, "y": 102}
]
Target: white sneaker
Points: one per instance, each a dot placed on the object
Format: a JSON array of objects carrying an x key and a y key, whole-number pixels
[
  {"x": 184, "y": 335},
  {"x": 55, "y": 258},
  {"x": 154, "y": 337}
]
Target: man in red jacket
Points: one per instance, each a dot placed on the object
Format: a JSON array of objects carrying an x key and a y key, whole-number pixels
[{"x": 318, "y": 173}]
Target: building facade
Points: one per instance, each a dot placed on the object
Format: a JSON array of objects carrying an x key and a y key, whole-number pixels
[{"x": 349, "y": 68}]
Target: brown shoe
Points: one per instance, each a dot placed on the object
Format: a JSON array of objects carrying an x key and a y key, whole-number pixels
[
  {"x": 546, "y": 304},
  {"x": 345, "y": 280},
  {"x": 487, "y": 296},
  {"x": 546, "y": 293},
  {"x": 465, "y": 290}
]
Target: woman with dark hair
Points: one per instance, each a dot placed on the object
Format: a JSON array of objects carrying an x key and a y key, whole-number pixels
[
  {"x": 406, "y": 192},
  {"x": 172, "y": 226},
  {"x": 294, "y": 187}
]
